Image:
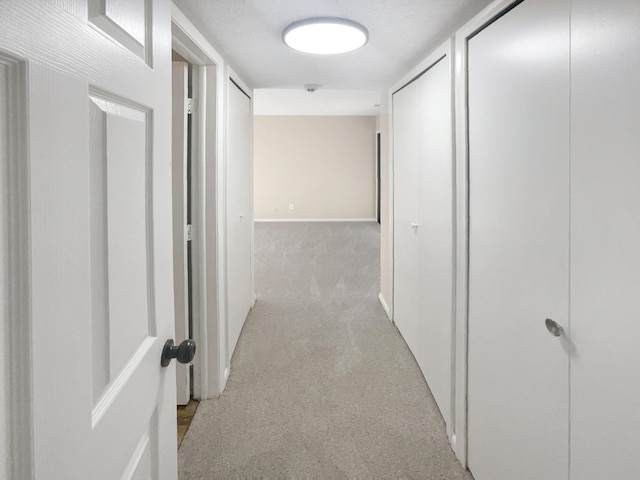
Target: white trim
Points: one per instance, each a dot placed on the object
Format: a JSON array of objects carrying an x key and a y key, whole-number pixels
[
  {"x": 390, "y": 195},
  {"x": 243, "y": 86},
  {"x": 315, "y": 220},
  {"x": 452, "y": 426},
  {"x": 209, "y": 364},
  {"x": 436, "y": 55},
  {"x": 15, "y": 316},
  {"x": 377, "y": 173},
  {"x": 222, "y": 236},
  {"x": 460, "y": 446},
  {"x": 385, "y": 306},
  {"x": 189, "y": 42}
]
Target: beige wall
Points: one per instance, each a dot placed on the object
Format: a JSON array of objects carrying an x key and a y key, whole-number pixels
[{"x": 323, "y": 165}]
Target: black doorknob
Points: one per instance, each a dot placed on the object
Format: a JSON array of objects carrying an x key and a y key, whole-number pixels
[{"x": 184, "y": 352}]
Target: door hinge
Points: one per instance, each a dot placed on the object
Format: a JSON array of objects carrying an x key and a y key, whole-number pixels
[
  {"x": 189, "y": 106},
  {"x": 188, "y": 233}
]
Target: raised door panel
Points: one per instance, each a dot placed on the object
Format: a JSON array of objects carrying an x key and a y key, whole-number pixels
[
  {"x": 126, "y": 21},
  {"x": 120, "y": 245},
  {"x": 605, "y": 240},
  {"x": 518, "y": 120}
]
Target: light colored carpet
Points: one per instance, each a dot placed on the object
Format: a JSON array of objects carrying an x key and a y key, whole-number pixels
[{"x": 322, "y": 384}]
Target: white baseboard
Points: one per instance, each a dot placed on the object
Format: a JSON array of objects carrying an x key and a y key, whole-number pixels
[
  {"x": 385, "y": 306},
  {"x": 314, "y": 220}
]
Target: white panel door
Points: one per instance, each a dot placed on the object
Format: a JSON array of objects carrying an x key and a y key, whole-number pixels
[
  {"x": 100, "y": 253},
  {"x": 424, "y": 225},
  {"x": 179, "y": 112},
  {"x": 518, "y": 101},
  {"x": 239, "y": 211},
  {"x": 605, "y": 240}
]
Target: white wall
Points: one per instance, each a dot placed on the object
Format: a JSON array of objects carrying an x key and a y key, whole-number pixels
[
  {"x": 386, "y": 257},
  {"x": 323, "y": 165}
]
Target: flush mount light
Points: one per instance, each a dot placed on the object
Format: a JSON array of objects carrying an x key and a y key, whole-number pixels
[{"x": 325, "y": 35}]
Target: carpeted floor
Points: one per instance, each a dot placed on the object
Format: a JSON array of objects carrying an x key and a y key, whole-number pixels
[{"x": 322, "y": 385}]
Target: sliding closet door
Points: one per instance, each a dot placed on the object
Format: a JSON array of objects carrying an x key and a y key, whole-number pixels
[
  {"x": 605, "y": 240},
  {"x": 406, "y": 293},
  {"x": 430, "y": 337},
  {"x": 424, "y": 225},
  {"x": 518, "y": 100},
  {"x": 239, "y": 212}
]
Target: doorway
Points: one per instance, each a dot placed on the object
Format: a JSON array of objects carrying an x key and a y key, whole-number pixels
[{"x": 182, "y": 191}]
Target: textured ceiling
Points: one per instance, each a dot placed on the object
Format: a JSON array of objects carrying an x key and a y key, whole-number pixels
[{"x": 248, "y": 34}]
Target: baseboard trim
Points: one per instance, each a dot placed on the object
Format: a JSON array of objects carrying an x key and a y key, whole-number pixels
[
  {"x": 314, "y": 220},
  {"x": 385, "y": 306}
]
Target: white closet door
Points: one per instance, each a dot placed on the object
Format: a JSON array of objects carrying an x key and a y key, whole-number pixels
[
  {"x": 519, "y": 240},
  {"x": 431, "y": 341},
  {"x": 423, "y": 235},
  {"x": 406, "y": 274},
  {"x": 239, "y": 212},
  {"x": 605, "y": 240}
]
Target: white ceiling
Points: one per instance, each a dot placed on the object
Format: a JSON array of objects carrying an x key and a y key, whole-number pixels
[{"x": 248, "y": 33}]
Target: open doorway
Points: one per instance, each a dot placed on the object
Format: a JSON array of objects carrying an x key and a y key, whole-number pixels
[{"x": 182, "y": 191}]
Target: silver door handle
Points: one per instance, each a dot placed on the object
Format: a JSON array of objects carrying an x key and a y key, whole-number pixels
[
  {"x": 414, "y": 225},
  {"x": 554, "y": 328}
]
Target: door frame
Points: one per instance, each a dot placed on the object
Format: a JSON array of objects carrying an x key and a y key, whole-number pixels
[
  {"x": 461, "y": 205},
  {"x": 378, "y": 174},
  {"x": 15, "y": 317},
  {"x": 209, "y": 249}
]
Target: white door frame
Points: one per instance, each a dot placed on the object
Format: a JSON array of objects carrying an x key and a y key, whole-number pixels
[
  {"x": 209, "y": 249},
  {"x": 462, "y": 217},
  {"x": 16, "y": 442}
]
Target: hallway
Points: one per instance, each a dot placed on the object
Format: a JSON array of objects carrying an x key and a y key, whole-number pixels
[{"x": 322, "y": 384}]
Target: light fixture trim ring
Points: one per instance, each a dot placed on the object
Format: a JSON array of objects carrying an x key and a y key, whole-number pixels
[{"x": 325, "y": 21}]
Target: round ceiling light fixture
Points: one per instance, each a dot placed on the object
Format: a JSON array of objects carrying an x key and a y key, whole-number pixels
[{"x": 325, "y": 35}]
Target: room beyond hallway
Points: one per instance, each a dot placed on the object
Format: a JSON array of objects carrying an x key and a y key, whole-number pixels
[{"x": 322, "y": 384}]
